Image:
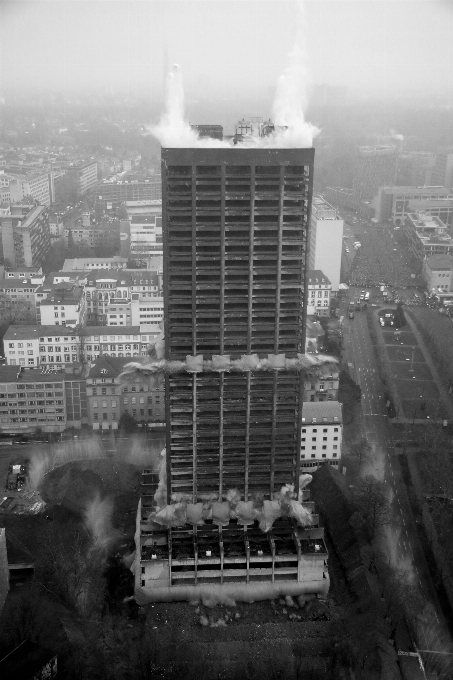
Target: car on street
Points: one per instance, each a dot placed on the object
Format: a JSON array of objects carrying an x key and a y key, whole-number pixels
[{"x": 367, "y": 296}]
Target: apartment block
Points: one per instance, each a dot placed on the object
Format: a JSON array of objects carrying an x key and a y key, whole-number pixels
[
  {"x": 25, "y": 235},
  {"x": 438, "y": 274},
  {"x": 30, "y": 399},
  {"x": 20, "y": 301},
  {"x": 112, "y": 192},
  {"x": 56, "y": 346},
  {"x": 322, "y": 432},
  {"x": 104, "y": 289}
]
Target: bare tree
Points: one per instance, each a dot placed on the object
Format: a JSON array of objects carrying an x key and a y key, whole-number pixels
[{"x": 373, "y": 509}]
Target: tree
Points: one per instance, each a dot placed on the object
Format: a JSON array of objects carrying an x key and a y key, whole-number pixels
[
  {"x": 361, "y": 451},
  {"x": 373, "y": 508},
  {"x": 399, "y": 319},
  {"x": 127, "y": 423}
]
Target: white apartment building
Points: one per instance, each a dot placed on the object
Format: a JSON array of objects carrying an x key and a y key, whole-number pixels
[
  {"x": 326, "y": 241},
  {"x": 141, "y": 232},
  {"x": 319, "y": 291},
  {"x": 323, "y": 386},
  {"x": 56, "y": 346},
  {"x": 135, "y": 312},
  {"x": 36, "y": 185},
  {"x": 65, "y": 305},
  {"x": 322, "y": 432}
]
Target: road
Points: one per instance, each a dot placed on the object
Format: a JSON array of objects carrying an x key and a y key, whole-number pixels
[{"x": 402, "y": 545}]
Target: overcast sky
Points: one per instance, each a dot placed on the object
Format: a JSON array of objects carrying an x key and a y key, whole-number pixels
[{"x": 226, "y": 46}]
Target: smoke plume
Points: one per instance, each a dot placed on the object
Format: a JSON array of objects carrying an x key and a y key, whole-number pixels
[
  {"x": 98, "y": 520},
  {"x": 291, "y": 128},
  {"x": 65, "y": 452}
]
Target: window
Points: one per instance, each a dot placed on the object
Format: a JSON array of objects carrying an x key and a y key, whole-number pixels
[
  {"x": 324, "y": 439},
  {"x": 335, "y": 446},
  {"x": 104, "y": 404},
  {"x": 113, "y": 403},
  {"x": 95, "y": 404},
  {"x": 103, "y": 390},
  {"x": 105, "y": 416},
  {"x": 125, "y": 400},
  {"x": 324, "y": 446},
  {"x": 303, "y": 448},
  {"x": 335, "y": 429},
  {"x": 134, "y": 400},
  {"x": 313, "y": 448},
  {"x": 313, "y": 439},
  {"x": 335, "y": 439}
]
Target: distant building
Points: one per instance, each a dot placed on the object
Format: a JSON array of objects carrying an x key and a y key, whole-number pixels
[
  {"x": 20, "y": 301},
  {"x": 319, "y": 290},
  {"x": 395, "y": 203},
  {"x": 326, "y": 241},
  {"x": 64, "y": 305},
  {"x": 141, "y": 230},
  {"x": 438, "y": 273},
  {"x": 442, "y": 172},
  {"x": 112, "y": 192},
  {"x": 34, "y": 185},
  {"x": 135, "y": 312},
  {"x": 375, "y": 167},
  {"x": 25, "y": 235},
  {"x": 322, "y": 432},
  {"x": 427, "y": 236},
  {"x": 33, "y": 273},
  {"x": 78, "y": 180},
  {"x": 96, "y": 235},
  {"x": 90, "y": 263}
]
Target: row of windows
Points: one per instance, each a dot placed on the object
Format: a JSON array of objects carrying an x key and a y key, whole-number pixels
[
  {"x": 315, "y": 429},
  {"x": 313, "y": 439},
  {"x": 313, "y": 293},
  {"x": 33, "y": 419},
  {"x": 313, "y": 448},
  {"x": 142, "y": 400},
  {"x": 324, "y": 455}
]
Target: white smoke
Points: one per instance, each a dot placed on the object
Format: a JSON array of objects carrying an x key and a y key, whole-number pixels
[
  {"x": 64, "y": 452},
  {"x": 291, "y": 128},
  {"x": 396, "y": 135},
  {"x": 98, "y": 520}
]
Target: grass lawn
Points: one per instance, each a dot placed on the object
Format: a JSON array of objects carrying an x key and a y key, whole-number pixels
[
  {"x": 402, "y": 371},
  {"x": 415, "y": 389},
  {"x": 433, "y": 409},
  {"x": 403, "y": 352},
  {"x": 405, "y": 337}
]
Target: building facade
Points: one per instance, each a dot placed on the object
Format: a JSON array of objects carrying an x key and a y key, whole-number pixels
[
  {"x": 141, "y": 230},
  {"x": 322, "y": 432},
  {"x": 326, "y": 241},
  {"x": 235, "y": 244},
  {"x": 395, "y": 203},
  {"x": 25, "y": 235},
  {"x": 64, "y": 305},
  {"x": 437, "y": 273},
  {"x": 322, "y": 387},
  {"x": 426, "y": 236},
  {"x": 319, "y": 290}
]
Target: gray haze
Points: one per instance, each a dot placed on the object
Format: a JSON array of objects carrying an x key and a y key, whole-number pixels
[{"x": 226, "y": 48}]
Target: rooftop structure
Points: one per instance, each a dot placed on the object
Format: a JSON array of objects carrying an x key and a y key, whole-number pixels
[
  {"x": 90, "y": 263},
  {"x": 427, "y": 236}
]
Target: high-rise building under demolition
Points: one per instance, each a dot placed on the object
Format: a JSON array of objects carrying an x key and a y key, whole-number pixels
[{"x": 235, "y": 235}]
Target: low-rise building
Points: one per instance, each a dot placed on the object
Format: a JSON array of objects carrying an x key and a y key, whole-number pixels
[
  {"x": 319, "y": 291},
  {"x": 322, "y": 431},
  {"x": 88, "y": 264},
  {"x": 141, "y": 230},
  {"x": 30, "y": 399},
  {"x": 135, "y": 312},
  {"x": 427, "y": 236},
  {"x": 109, "y": 398},
  {"x": 323, "y": 386},
  {"x": 64, "y": 305},
  {"x": 20, "y": 301},
  {"x": 437, "y": 273},
  {"x": 58, "y": 347}
]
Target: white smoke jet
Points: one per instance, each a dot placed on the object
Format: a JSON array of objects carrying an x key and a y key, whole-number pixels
[
  {"x": 396, "y": 135},
  {"x": 292, "y": 131},
  {"x": 98, "y": 520}
]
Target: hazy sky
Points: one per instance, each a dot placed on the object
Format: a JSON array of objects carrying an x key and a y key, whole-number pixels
[{"x": 226, "y": 46}]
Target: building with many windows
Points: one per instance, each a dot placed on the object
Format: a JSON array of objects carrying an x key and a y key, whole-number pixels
[
  {"x": 236, "y": 224},
  {"x": 112, "y": 192},
  {"x": 108, "y": 398},
  {"x": 319, "y": 291},
  {"x": 25, "y": 235},
  {"x": 141, "y": 230},
  {"x": 438, "y": 274},
  {"x": 56, "y": 346},
  {"x": 426, "y": 236},
  {"x": 323, "y": 386},
  {"x": 322, "y": 432},
  {"x": 20, "y": 301},
  {"x": 395, "y": 203},
  {"x": 30, "y": 399},
  {"x": 64, "y": 305}
]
